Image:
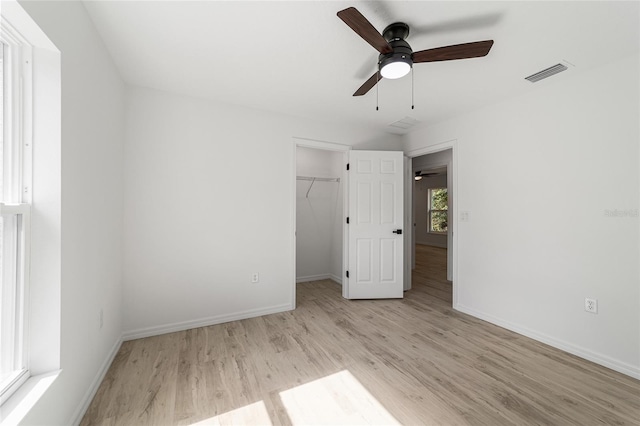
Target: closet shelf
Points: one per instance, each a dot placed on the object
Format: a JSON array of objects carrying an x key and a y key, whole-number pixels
[{"x": 316, "y": 179}]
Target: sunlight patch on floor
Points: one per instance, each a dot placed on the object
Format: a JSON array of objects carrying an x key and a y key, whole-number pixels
[
  {"x": 336, "y": 399},
  {"x": 252, "y": 414}
]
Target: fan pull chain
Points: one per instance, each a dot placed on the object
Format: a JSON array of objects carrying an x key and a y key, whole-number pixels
[
  {"x": 412, "y": 103},
  {"x": 377, "y": 85}
]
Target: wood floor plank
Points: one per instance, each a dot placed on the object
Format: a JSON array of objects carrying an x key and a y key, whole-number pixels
[{"x": 410, "y": 361}]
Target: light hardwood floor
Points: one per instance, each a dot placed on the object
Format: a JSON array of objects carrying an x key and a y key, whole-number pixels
[{"x": 412, "y": 361}]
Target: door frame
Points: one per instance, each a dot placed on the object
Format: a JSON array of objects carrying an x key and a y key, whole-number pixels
[
  {"x": 408, "y": 223},
  {"x": 325, "y": 146},
  {"x": 452, "y": 173}
]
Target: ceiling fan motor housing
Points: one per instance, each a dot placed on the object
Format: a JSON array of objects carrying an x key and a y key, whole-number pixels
[
  {"x": 395, "y": 34},
  {"x": 395, "y": 31},
  {"x": 401, "y": 53}
]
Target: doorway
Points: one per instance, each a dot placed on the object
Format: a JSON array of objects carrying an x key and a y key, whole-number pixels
[
  {"x": 319, "y": 232},
  {"x": 433, "y": 237},
  {"x": 375, "y": 239}
]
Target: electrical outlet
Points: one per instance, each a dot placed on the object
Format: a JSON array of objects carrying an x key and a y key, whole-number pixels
[
  {"x": 255, "y": 278},
  {"x": 101, "y": 318},
  {"x": 591, "y": 305}
]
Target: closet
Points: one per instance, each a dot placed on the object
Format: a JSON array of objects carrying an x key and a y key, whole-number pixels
[{"x": 319, "y": 212}]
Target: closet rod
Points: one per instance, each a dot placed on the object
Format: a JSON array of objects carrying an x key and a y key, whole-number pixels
[
  {"x": 314, "y": 179},
  {"x": 318, "y": 179}
]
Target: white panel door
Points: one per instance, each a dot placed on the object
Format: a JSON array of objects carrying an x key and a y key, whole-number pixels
[{"x": 376, "y": 242}]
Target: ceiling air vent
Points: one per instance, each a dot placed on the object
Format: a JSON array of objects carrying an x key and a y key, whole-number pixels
[
  {"x": 546, "y": 73},
  {"x": 402, "y": 126}
]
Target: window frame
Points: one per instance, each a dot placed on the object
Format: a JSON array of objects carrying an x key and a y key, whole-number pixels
[
  {"x": 431, "y": 210},
  {"x": 15, "y": 203}
]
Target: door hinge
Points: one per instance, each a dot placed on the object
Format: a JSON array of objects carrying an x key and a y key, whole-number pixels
[
  {"x": 347, "y": 274},
  {"x": 347, "y": 219},
  {"x": 347, "y": 166}
]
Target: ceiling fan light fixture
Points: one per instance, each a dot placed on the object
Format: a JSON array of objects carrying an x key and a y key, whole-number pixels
[
  {"x": 395, "y": 66},
  {"x": 418, "y": 176}
]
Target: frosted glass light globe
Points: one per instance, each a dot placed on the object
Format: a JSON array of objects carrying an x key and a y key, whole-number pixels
[{"x": 395, "y": 70}]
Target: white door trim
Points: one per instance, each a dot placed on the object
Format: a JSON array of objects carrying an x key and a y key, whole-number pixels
[
  {"x": 452, "y": 169},
  {"x": 409, "y": 254},
  {"x": 327, "y": 146}
]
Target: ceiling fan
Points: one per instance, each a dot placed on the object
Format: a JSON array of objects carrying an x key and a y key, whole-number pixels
[
  {"x": 419, "y": 175},
  {"x": 396, "y": 57}
]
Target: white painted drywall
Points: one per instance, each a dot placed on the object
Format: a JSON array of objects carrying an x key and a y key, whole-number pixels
[
  {"x": 208, "y": 201},
  {"x": 562, "y": 155},
  {"x": 91, "y": 208},
  {"x": 318, "y": 215},
  {"x": 420, "y": 210}
]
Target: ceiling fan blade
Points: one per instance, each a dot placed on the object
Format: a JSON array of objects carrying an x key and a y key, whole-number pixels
[
  {"x": 364, "y": 29},
  {"x": 457, "y": 51},
  {"x": 368, "y": 84}
]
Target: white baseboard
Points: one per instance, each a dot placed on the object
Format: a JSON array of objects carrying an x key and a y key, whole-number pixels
[
  {"x": 308, "y": 278},
  {"x": 203, "y": 322},
  {"x": 606, "y": 361},
  {"x": 319, "y": 277},
  {"x": 95, "y": 384}
]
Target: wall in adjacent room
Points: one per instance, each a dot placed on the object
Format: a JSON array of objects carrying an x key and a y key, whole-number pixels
[{"x": 420, "y": 211}]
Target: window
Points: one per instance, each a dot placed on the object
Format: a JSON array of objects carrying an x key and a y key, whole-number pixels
[
  {"x": 15, "y": 190},
  {"x": 438, "y": 210}
]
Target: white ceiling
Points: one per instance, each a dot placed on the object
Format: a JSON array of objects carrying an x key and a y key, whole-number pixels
[{"x": 299, "y": 58}]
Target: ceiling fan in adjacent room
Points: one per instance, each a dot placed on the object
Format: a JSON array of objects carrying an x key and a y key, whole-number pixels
[
  {"x": 396, "y": 57},
  {"x": 419, "y": 175}
]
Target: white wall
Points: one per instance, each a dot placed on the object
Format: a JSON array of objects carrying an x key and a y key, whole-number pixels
[
  {"x": 318, "y": 215},
  {"x": 91, "y": 208},
  {"x": 555, "y": 159},
  {"x": 420, "y": 211},
  {"x": 208, "y": 201}
]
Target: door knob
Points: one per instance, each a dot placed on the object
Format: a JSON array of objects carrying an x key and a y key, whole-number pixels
[{"x": 397, "y": 231}]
